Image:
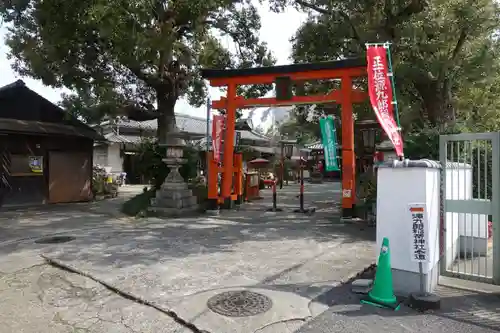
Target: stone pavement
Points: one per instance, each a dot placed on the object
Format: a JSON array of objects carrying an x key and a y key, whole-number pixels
[
  {"x": 32, "y": 222},
  {"x": 178, "y": 265},
  {"x": 38, "y": 298},
  {"x": 44, "y": 299},
  {"x": 297, "y": 261}
]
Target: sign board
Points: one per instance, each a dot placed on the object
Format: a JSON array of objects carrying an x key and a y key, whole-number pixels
[
  {"x": 36, "y": 164},
  {"x": 284, "y": 90},
  {"x": 237, "y": 139},
  {"x": 329, "y": 140},
  {"x": 346, "y": 193},
  {"x": 217, "y": 131},
  {"x": 420, "y": 232}
]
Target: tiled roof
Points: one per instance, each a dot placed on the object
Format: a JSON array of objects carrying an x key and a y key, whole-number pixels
[
  {"x": 134, "y": 139},
  {"x": 39, "y": 127},
  {"x": 318, "y": 145},
  {"x": 24, "y": 110},
  {"x": 314, "y": 145},
  {"x": 187, "y": 124}
]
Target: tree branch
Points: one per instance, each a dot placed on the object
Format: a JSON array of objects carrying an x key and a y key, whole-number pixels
[
  {"x": 414, "y": 7},
  {"x": 453, "y": 56},
  {"x": 150, "y": 80},
  {"x": 459, "y": 45},
  {"x": 342, "y": 14}
]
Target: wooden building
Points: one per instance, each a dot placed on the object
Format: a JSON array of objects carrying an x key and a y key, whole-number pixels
[{"x": 46, "y": 154}]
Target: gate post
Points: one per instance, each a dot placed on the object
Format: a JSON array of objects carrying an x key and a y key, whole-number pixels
[
  {"x": 408, "y": 191},
  {"x": 495, "y": 201}
]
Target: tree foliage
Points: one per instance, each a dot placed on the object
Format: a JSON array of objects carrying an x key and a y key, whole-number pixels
[
  {"x": 136, "y": 57},
  {"x": 445, "y": 52}
]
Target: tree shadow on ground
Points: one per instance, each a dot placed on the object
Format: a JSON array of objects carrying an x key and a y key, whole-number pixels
[
  {"x": 262, "y": 246},
  {"x": 160, "y": 240},
  {"x": 458, "y": 308},
  {"x": 104, "y": 242}
]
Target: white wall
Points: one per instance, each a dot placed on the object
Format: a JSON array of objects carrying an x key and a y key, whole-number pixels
[
  {"x": 100, "y": 155},
  {"x": 108, "y": 156},
  {"x": 460, "y": 227},
  {"x": 396, "y": 189},
  {"x": 455, "y": 190},
  {"x": 433, "y": 205},
  {"x": 115, "y": 161}
]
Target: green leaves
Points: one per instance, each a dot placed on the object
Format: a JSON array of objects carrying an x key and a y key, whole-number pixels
[
  {"x": 444, "y": 51},
  {"x": 116, "y": 53}
]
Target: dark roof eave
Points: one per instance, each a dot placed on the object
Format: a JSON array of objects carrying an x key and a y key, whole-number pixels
[{"x": 43, "y": 128}]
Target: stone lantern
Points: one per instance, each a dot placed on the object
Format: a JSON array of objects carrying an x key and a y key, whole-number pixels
[
  {"x": 174, "y": 198},
  {"x": 286, "y": 153},
  {"x": 386, "y": 151}
]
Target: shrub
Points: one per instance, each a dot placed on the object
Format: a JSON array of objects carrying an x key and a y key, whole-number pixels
[
  {"x": 139, "y": 203},
  {"x": 151, "y": 166},
  {"x": 100, "y": 185}
]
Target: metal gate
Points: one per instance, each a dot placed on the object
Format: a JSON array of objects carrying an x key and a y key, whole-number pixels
[{"x": 470, "y": 188}]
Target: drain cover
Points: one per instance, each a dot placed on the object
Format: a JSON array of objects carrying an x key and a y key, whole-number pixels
[
  {"x": 241, "y": 303},
  {"x": 55, "y": 240}
]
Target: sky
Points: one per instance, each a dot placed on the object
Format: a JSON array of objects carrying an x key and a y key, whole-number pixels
[{"x": 277, "y": 29}]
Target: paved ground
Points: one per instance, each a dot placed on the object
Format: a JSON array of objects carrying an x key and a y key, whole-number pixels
[
  {"x": 39, "y": 298},
  {"x": 477, "y": 265},
  {"x": 461, "y": 312},
  {"x": 32, "y": 222},
  {"x": 177, "y": 265}
]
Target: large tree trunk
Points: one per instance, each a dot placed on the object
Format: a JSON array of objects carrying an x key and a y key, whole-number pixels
[
  {"x": 437, "y": 106},
  {"x": 166, "y": 120}
]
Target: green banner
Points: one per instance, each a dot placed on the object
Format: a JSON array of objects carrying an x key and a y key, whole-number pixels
[{"x": 329, "y": 140}]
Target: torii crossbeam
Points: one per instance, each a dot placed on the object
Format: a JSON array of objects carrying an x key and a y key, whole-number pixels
[{"x": 285, "y": 77}]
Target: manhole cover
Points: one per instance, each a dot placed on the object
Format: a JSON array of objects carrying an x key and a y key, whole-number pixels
[
  {"x": 55, "y": 240},
  {"x": 241, "y": 303}
]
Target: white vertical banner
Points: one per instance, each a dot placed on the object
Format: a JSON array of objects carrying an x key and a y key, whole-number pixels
[{"x": 419, "y": 226}]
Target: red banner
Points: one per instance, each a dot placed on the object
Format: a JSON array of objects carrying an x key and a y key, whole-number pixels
[
  {"x": 217, "y": 127},
  {"x": 380, "y": 90}
]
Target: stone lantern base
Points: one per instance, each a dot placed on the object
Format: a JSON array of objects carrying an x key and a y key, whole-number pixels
[{"x": 174, "y": 198}]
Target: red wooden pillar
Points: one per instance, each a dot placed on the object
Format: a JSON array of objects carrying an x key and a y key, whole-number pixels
[
  {"x": 229, "y": 145},
  {"x": 348, "y": 154},
  {"x": 238, "y": 177}
]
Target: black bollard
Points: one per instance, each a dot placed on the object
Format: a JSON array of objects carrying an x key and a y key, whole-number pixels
[
  {"x": 275, "y": 197},
  {"x": 301, "y": 196}
]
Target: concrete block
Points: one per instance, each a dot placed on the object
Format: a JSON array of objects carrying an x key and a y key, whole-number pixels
[{"x": 361, "y": 286}]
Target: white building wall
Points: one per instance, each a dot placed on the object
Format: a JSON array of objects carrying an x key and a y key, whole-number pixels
[
  {"x": 108, "y": 156},
  {"x": 115, "y": 161},
  {"x": 100, "y": 155}
]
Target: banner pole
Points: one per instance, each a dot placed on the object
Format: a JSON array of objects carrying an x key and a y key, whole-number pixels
[
  {"x": 391, "y": 75},
  {"x": 393, "y": 84},
  {"x": 209, "y": 108}
]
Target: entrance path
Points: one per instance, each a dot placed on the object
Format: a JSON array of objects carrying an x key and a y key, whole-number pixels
[{"x": 177, "y": 265}]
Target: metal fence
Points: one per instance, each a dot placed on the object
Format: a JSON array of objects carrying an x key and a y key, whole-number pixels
[{"x": 470, "y": 207}]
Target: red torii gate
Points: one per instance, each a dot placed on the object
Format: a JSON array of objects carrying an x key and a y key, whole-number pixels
[{"x": 284, "y": 77}]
